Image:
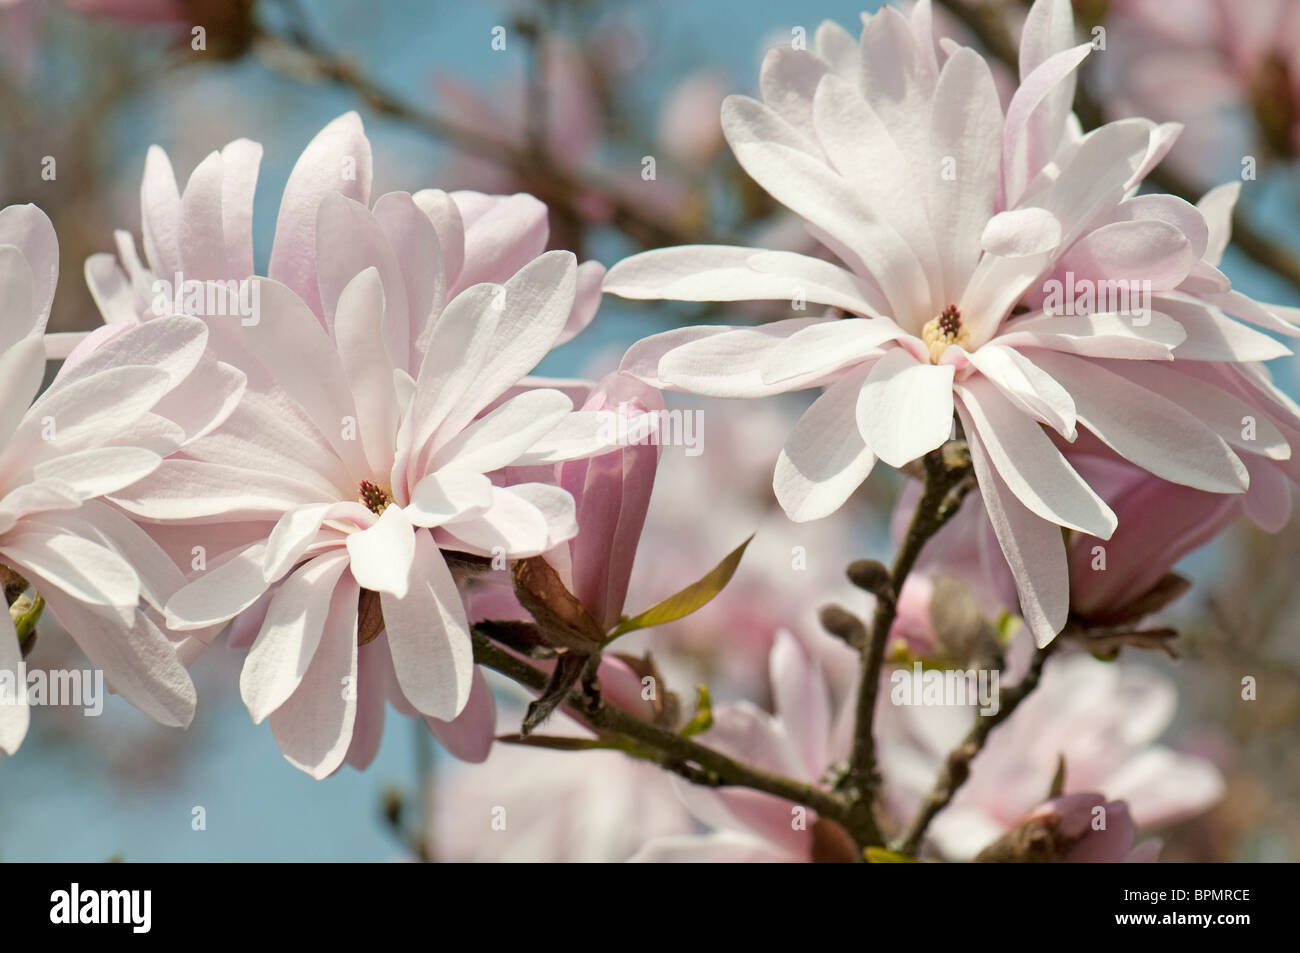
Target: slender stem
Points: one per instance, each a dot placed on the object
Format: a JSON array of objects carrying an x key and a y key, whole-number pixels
[
  {"x": 694, "y": 761},
  {"x": 956, "y": 768},
  {"x": 946, "y": 470}
]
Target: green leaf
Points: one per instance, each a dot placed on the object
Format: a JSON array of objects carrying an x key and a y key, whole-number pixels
[
  {"x": 881, "y": 855},
  {"x": 695, "y": 596},
  {"x": 1058, "y": 779},
  {"x": 703, "y": 719}
]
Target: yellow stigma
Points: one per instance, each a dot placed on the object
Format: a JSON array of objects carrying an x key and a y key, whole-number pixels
[
  {"x": 374, "y": 497},
  {"x": 943, "y": 330}
]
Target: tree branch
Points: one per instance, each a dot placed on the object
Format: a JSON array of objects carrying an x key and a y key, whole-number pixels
[
  {"x": 956, "y": 768},
  {"x": 692, "y": 760}
]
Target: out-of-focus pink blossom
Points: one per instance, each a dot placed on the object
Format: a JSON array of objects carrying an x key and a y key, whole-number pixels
[
  {"x": 1079, "y": 828},
  {"x": 1229, "y": 71},
  {"x": 1102, "y": 719}
]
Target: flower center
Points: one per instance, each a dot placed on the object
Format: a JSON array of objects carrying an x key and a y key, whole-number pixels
[
  {"x": 374, "y": 497},
  {"x": 943, "y": 330}
]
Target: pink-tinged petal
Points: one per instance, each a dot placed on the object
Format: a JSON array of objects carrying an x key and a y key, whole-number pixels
[
  {"x": 1030, "y": 465},
  {"x": 498, "y": 439},
  {"x": 22, "y": 367},
  {"x": 292, "y": 534},
  {"x": 720, "y": 847},
  {"x": 801, "y": 700},
  {"x": 223, "y": 591},
  {"x": 195, "y": 490},
  {"x": 523, "y": 520},
  {"x": 503, "y": 233},
  {"x": 470, "y": 735},
  {"x": 14, "y": 713},
  {"x": 1219, "y": 410},
  {"x": 896, "y": 78},
  {"x": 1164, "y": 787},
  {"x": 172, "y": 344},
  {"x": 827, "y": 347},
  {"x": 1217, "y": 205},
  {"x": 534, "y": 308},
  {"x": 358, "y": 333},
  {"x": 1139, "y": 251},
  {"x": 239, "y": 161},
  {"x": 428, "y": 636},
  {"x": 862, "y": 150},
  {"x": 60, "y": 344},
  {"x": 1036, "y": 118},
  {"x": 337, "y": 160},
  {"x": 382, "y": 554},
  {"x": 591, "y": 276},
  {"x": 83, "y": 569},
  {"x": 1021, "y": 232},
  {"x": 373, "y": 673},
  {"x": 414, "y": 240},
  {"x": 1275, "y": 317},
  {"x": 965, "y": 121},
  {"x": 301, "y": 358},
  {"x": 1155, "y": 433},
  {"x": 158, "y": 575},
  {"x": 1213, "y": 336},
  {"x": 298, "y": 614},
  {"x": 442, "y": 211},
  {"x": 1268, "y": 504},
  {"x": 204, "y": 400},
  {"x": 788, "y": 79},
  {"x": 201, "y": 239},
  {"x": 349, "y": 241},
  {"x": 1024, "y": 383},
  {"x": 99, "y": 470},
  {"x": 447, "y": 494},
  {"x": 1179, "y": 213},
  {"x": 904, "y": 409},
  {"x": 777, "y": 157},
  {"x": 1033, "y": 547},
  {"x": 17, "y": 290},
  {"x": 1152, "y": 336},
  {"x": 612, "y": 496},
  {"x": 731, "y": 273},
  {"x": 313, "y": 727},
  {"x": 825, "y": 458},
  {"x": 578, "y": 435},
  {"x": 729, "y": 363},
  {"x": 30, "y": 230},
  {"x": 160, "y": 215},
  {"x": 138, "y": 660}
]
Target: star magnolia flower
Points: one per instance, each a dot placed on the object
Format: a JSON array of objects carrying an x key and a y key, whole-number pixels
[
  {"x": 105, "y": 422},
  {"x": 954, "y": 223},
  {"x": 385, "y": 371}
]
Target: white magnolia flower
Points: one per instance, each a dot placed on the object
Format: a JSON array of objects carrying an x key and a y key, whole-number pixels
[{"x": 953, "y": 224}]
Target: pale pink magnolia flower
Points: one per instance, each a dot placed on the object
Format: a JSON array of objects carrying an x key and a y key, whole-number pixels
[
  {"x": 949, "y": 274},
  {"x": 364, "y": 442},
  {"x": 1229, "y": 71},
  {"x": 106, "y": 421},
  {"x": 805, "y": 734},
  {"x": 1103, "y": 719},
  {"x": 1089, "y": 830}
]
